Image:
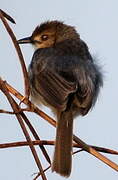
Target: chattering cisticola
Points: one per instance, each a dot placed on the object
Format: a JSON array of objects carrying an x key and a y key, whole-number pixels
[{"x": 64, "y": 76}]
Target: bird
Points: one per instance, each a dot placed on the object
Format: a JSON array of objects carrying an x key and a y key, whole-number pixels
[{"x": 65, "y": 77}]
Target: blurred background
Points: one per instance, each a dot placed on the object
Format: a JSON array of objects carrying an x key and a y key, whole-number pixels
[{"x": 96, "y": 22}]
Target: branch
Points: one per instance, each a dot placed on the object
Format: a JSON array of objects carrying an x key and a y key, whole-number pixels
[
  {"x": 18, "y": 50},
  {"x": 7, "y": 16},
  {"x": 45, "y": 142}
]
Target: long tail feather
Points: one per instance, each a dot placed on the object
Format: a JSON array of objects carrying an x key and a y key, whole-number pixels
[{"x": 63, "y": 147}]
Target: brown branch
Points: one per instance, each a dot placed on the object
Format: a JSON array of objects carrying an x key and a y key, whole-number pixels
[
  {"x": 6, "y": 112},
  {"x": 15, "y": 107},
  {"x": 7, "y": 16},
  {"x": 10, "y": 112},
  {"x": 18, "y": 50},
  {"x": 105, "y": 150},
  {"x": 45, "y": 142},
  {"x": 43, "y": 171},
  {"x": 75, "y": 152}
]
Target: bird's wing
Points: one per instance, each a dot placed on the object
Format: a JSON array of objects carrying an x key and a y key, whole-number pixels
[
  {"x": 85, "y": 93},
  {"x": 54, "y": 88}
]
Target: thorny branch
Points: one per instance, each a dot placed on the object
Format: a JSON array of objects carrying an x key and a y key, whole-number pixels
[{"x": 22, "y": 118}]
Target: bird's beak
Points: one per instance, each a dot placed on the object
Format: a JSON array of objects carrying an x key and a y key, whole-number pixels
[{"x": 25, "y": 40}]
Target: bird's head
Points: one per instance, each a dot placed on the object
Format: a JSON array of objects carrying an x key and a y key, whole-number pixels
[{"x": 50, "y": 33}]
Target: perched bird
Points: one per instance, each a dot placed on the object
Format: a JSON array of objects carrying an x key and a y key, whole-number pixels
[{"x": 64, "y": 76}]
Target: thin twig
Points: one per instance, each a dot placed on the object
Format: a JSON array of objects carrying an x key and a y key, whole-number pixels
[
  {"x": 75, "y": 152},
  {"x": 7, "y": 16},
  {"x": 40, "y": 173},
  {"x": 18, "y": 50},
  {"x": 45, "y": 142},
  {"x": 20, "y": 111},
  {"x": 6, "y": 112}
]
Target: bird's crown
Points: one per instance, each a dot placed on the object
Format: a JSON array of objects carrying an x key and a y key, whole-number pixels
[{"x": 50, "y": 33}]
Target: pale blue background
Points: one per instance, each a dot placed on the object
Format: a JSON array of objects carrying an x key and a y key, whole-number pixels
[{"x": 97, "y": 23}]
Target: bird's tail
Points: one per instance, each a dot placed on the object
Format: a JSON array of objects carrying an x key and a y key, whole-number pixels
[{"x": 63, "y": 146}]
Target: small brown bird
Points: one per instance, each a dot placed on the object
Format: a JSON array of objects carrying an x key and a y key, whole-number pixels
[{"x": 64, "y": 76}]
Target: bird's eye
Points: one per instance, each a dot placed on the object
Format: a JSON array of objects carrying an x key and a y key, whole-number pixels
[{"x": 44, "y": 37}]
